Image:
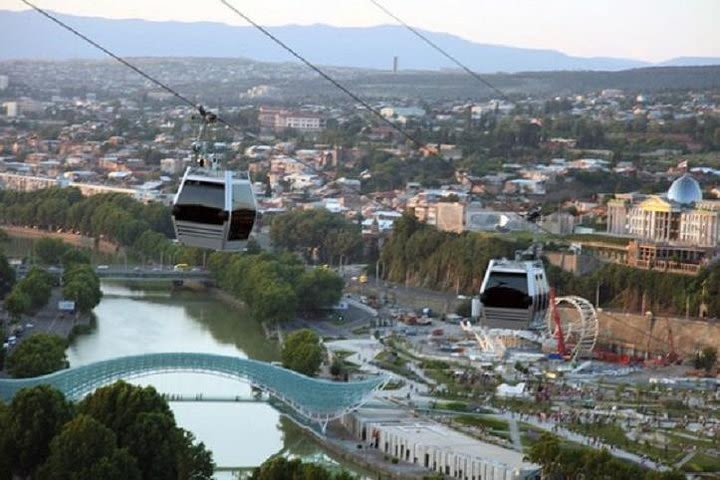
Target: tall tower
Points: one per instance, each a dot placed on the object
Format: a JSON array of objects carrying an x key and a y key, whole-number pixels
[{"x": 395, "y": 64}]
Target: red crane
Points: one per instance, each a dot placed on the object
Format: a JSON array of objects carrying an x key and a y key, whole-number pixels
[{"x": 560, "y": 337}]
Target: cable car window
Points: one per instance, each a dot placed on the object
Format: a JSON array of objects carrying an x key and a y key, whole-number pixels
[
  {"x": 201, "y": 202},
  {"x": 243, "y": 214},
  {"x": 507, "y": 290}
]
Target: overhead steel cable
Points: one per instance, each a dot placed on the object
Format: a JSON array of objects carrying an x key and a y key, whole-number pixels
[
  {"x": 441, "y": 50},
  {"x": 324, "y": 75},
  {"x": 206, "y": 115}
]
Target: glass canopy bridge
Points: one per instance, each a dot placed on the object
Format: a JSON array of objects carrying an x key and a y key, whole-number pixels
[{"x": 313, "y": 399}]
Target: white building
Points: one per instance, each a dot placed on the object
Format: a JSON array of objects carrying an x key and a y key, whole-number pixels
[{"x": 437, "y": 447}]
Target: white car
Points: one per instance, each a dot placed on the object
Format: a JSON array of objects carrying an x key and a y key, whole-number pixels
[{"x": 103, "y": 267}]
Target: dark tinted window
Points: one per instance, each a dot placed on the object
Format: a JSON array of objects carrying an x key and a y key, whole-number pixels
[
  {"x": 241, "y": 224},
  {"x": 506, "y": 290},
  {"x": 201, "y": 202}
]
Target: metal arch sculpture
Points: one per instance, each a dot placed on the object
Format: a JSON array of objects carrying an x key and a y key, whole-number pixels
[
  {"x": 314, "y": 399},
  {"x": 579, "y": 332}
]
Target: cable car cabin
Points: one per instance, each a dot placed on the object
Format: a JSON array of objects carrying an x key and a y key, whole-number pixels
[
  {"x": 214, "y": 209},
  {"x": 515, "y": 294}
]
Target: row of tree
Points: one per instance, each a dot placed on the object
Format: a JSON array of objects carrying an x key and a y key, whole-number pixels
[
  {"x": 632, "y": 289},
  {"x": 560, "y": 462},
  {"x": 318, "y": 235},
  {"x": 120, "y": 432},
  {"x": 420, "y": 255},
  {"x": 53, "y": 251},
  {"x": 116, "y": 217},
  {"x": 275, "y": 286}
]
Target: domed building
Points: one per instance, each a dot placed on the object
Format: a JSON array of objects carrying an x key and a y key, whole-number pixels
[
  {"x": 685, "y": 190},
  {"x": 679, "y": 217}
]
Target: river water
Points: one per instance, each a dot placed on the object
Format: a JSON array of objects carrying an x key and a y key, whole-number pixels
[{"x": 133, "y": 321}]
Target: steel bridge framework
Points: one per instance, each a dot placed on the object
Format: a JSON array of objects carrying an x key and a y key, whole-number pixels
[{"x": 314, "y": 399}]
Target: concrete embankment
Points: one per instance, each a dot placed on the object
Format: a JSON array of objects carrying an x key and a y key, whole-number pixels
[{"x": 637, "y": 334}]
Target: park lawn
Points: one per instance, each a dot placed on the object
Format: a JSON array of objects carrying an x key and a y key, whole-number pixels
[{"x": 702, "y": 462}]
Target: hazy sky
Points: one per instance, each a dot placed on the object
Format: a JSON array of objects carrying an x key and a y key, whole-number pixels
[{"x": 641, "y": 29}]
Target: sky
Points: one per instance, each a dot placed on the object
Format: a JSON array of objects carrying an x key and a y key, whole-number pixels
[{"x": 651, "y": 30}]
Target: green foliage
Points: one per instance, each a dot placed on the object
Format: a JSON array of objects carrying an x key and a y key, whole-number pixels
[
  {"x": 39, "y": 354},
  {"x": 7, "y": 276},
  {"x": 144, "y": 425},
  {"x": 36, "y": 415},
  {"x": 18, "y": 303},
  {"x": 117, "y": 217},
  {"x": 82, "y": 285},
  {"x": 421, "y": 255},
  {"x": 85, "y": 448},
  {"x": 558, "y": 461},
  {"x": 280, "y": 468},
  {"x": 32, "y": 292},
  {"x": 706, "y": 359},
  {"x": 318, "y": 289},
  {"x": 317, "y": 234},
  {"x": 50, "y": 251},
  {"x": 274, "y": 285},
  {"x": 5, "y": 443},
  {"x": 302, "y": 352}
]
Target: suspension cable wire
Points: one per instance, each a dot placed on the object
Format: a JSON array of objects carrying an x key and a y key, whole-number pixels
[
  {"x": 206, "y": 115},
  {"x": 439, "y": 49},
  {"x": 324, "y": 75}
]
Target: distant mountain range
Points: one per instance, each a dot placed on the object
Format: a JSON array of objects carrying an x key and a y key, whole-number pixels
[{"x": 28, "y": 35}]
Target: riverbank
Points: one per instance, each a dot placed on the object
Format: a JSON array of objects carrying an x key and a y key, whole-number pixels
[{"x": 81, "y": 241}]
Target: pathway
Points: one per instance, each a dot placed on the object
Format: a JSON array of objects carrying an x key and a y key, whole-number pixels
[{"x": 515, "y": 435}]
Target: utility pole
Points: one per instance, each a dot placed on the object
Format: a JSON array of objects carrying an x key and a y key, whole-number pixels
[{"x": 597, "y": 295}]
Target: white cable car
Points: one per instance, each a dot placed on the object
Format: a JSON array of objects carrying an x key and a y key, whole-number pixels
[
  {"x": 213, "y": 208},
  {"x": 515, "y": 294}
]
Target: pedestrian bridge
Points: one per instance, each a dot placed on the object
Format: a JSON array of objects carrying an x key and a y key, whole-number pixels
[{"x": 313, "y": 399}]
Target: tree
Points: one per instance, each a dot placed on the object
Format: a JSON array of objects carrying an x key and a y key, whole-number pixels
[
  {"x": 85, "y": 448},
  {"x": 195, "y": 462},
  {"x": 302, "y": 352},
  {"x": 153, "y": 440},
  {"x": 38, "y": 285},
  {"x": 18, "y": 303},
  {"x": 74, "y": 256},
  {"x": 82, "y": 285},
  {"x": 318, "y": 289},
  {"x": 119, "y": 405},
  {"x": 280, "y": 468},
  {"x": 36, "y": 415},
  {"x": 546, "y": 453},
  {"x": 144, "y": 424},
  {"x": 706, "y": 359},
  {"x": 5, "y": 443},
  {"x": 7, "y": 276},
  {"x": 49, "y": 251},
  {"x": 38, "y": 354}
]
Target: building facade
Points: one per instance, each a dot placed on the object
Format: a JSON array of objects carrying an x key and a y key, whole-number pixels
[{"x": 679, "y": 217}]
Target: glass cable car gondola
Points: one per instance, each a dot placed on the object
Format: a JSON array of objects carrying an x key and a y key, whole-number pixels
[
  {"x": 213, "y": 208},
  {"x": 515, "y": 293}
]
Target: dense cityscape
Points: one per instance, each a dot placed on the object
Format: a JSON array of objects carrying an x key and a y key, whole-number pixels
[{"x": 511, "y": 284}]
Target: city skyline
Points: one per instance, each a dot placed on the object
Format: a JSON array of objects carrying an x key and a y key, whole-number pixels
[{"x": 643, "y": 30}]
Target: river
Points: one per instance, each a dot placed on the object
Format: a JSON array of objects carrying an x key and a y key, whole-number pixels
[{"x": 132, "y": 321}]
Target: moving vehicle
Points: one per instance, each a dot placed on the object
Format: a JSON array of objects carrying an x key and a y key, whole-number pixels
[
  {"x": 213, "y": 208},
  {"x": 181, "y": 267},
  {"x": 515, "y": 294}
]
